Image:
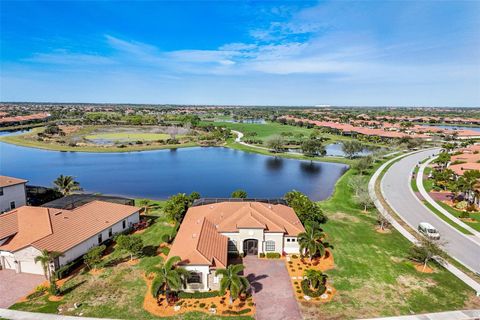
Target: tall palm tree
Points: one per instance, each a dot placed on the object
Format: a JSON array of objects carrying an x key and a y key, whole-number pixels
[
  {"x": 46, "y": 259},
  {"x": 168, "y": 277},
  {"x": 315, "y": 278},
  {"x": 311, "y": 241},
  {"x": 232, "y": 280},
  {"x": 66, "y": 184}
]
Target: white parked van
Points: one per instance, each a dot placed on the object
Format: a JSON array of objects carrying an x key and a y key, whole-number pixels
[{"x": 428, "y": 231}]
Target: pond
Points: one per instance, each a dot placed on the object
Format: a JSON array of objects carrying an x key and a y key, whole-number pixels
[
  {"x": 453, "y": 127},
  {"x": 335, "y": 150},
  {"x": 212, "y": 171}
]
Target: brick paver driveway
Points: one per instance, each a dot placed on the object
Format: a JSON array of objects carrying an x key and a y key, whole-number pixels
[
  {"x": 273, "y": 292},
  {"x": 13, "y": 286}
]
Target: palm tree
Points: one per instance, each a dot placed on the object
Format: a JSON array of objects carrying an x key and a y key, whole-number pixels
[
  {"x": 66, "y": 184},
  {"x": 46, "y": 259},
  {"x": 311, "y": 241},
  {"x": 315, "y": 278},
  {"x": 232, "y": 281},
  {"x": 168, "y": 277}
]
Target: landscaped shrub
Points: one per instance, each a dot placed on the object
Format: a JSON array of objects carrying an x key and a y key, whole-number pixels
[
  {"x": 262, "y": 255},
  {"x": 237, "y": 312},
  {"x": 273, "y": 255},
  {"x": 198, "y": 295},
  {"x": 65, "y": 270},
  {"x": 295, "y": 256},
  {"x": 202, "y": 305},
  {"x": 312, "y": 293},
  {"x": 39, "y": 291},
  {"x": 233, "y": 255}
]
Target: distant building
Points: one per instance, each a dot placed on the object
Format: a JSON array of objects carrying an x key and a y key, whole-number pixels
[
  {"x": 26, "y": 231},
  {"x": 12, "y": 193},
  {"x": 77, "y": 200}
]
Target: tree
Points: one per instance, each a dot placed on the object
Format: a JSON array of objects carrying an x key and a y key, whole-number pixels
[
  {"x": 383, "y": 222},
  {"x": 276, "y": 143},
  {"x": 232, "y": 280},
  {"x": 306, "y": 210},
  {"x": 132, "y": 244},
  {"x": 46, "y": 259},
  {"x": 239, "y": 194},
  {"x": 443, "y": 159},
  {"x": 146, "y": 205},
  {"x": 52, "y": 129},
  {"x": 364, "y": 164},
  {"x": 94, "y": 256},
  {"x": 315, "y": 278},
  {"x": 313, "y": 147},
  {"x": 351, "y": 148},
  {"x": 363, "y": 198},
  {"x": 176, "y": 207},
  {"x": 168, "y": 277},
  {"x": 66, "y": 185},
  {"x": 311, "y": 241},
  {"x": 425, "y": 250},
  {"x": 355, "y": 183}
]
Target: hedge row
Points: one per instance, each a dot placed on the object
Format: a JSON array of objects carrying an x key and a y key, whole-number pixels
[
  {"x": 198, "y": 295},
  {"x": 270, "y": 255},
  {"x": 237, "y": 312}
]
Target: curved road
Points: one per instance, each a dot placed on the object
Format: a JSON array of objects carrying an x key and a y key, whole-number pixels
[{"x": 397, "y": 192}]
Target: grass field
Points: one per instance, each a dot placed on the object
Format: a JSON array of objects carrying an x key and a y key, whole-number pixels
[
  {"x": 119, "y": 290},
  {"x": 373, "y": 273},
  {"x": 128, "y": 136}
]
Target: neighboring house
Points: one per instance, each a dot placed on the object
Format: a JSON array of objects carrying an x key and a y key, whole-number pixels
[
  {"x": 26, "y": 231},
  {"x": 209, "y": 232},
  {"x": 79, "y": 199},
  {"x": 12, "y": 193}
]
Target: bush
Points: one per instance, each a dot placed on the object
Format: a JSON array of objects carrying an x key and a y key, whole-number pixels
[
  {"x": 198, "y": 295},
  {"x": 461, "y": 205},
  {"x": 39, "y": 291},
  {"x": 65, "y": 270},
  {"x": 202, "y": 305},
  {"x": 94, "y": 256},
  {"x": 237, "y": 312},
  {"x": 262, "y": 255},
  {"x": 312, "y": 293},
  {"x": 233, "y": 254},
  {"x": 273, "y": 255},
  {"x": 295, "y": 256}
]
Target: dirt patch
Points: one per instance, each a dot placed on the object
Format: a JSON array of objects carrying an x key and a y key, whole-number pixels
[
  {"x": 55, "y": 298},
  {"x": 341, "y": 216},
  {"x": 96, "y": 272},
  {"x": 214, "y": 305},
  {"x": 421, "y": 268},
  {"x": 414, "y": 283},
  {"x": 383, "y": 231},
  {"x": 70, "y": 129},
  {"x": 469, "y": 220},
  {"x": 132, "y": 262}
]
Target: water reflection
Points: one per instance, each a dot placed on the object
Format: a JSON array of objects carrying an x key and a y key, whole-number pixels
[
  {"x": 310, "y": 168},
  {"x": 274, "y": 164}
]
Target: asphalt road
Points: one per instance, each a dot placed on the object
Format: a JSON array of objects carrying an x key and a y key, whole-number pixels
[{"x": 397, "y": 192}]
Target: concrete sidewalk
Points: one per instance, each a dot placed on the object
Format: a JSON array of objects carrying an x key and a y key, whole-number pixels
[
  {"x": 23, "y": 315},
  {"x": 449, "y": 315}
]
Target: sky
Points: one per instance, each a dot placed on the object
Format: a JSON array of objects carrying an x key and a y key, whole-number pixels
[{"x": 347, "y": 53}]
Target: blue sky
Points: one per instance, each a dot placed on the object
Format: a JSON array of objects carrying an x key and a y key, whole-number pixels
[{"x": 256, "y": 53}]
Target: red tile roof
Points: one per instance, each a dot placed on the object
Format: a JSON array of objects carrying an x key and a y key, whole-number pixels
[{"x": 9, "y": 181}]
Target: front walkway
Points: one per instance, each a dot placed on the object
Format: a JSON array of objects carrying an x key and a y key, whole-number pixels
[
  {"x": 272, "y": 290},
  {"x": 14, "y": 286}
]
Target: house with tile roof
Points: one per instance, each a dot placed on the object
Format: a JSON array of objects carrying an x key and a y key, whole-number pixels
[
  {"x": 12, "y": 193},
  {"x": 26, "y": 231},
  {"x": 209, "y": 233}
]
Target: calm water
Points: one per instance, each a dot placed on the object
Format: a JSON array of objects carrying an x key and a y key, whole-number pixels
[
  {"x": 453, "y": 127},
  {"x": 214, "y": 172}
]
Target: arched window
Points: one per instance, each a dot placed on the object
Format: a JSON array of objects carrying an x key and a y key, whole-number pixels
[
  {"x": 270, "y": 245},
  {"x": 194, "y": 277},
  {"x": 232, "y": 246}
]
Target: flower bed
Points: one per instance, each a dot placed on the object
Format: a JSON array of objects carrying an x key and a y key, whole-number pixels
[{"x": 207, "y": 302}]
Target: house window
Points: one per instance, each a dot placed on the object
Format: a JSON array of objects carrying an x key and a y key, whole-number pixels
[
  {"x": 232, "y": 246},
  {"x": 294, "y": 240},
  {"x": 288, "y": 239},
  {"x": 110, "y": 233},
  {"x": 12, "y": 205},
  {"x": 270, "y": 245},
  {"x": 100, "y": 238},
  {"x": 194, "y": 277},
  {"x": 1, "y": 191},
  {"x": 124, "y": 224}
]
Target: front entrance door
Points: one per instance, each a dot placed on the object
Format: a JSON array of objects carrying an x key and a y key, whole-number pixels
[{"x": 250, "y": 247}]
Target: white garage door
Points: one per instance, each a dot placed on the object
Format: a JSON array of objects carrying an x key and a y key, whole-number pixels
[
  {"x": 9, "y": 262},
  {"x": 29, "y": 266}
]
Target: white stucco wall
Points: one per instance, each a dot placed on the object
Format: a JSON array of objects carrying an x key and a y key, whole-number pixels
[
  {"x": 204, "y": 270},
  {"x": 275, "y": 237},
  {"x": 80, "y": 249},
  {"x": 14, "y": 193},
  {"x": 259, "y": 235},
  {"x": 22, "y": 261},
  {"x": 291, "y": 246}
]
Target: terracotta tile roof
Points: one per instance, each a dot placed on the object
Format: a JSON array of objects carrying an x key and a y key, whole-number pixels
[
  {"x": 59, "y": 230},
  {"x": 8, "y": 224},
  {"x": 30, "y": 117},
  {"x": 199, "y": 239},
  {"x": 466, "y": 157},
  {"x": 10, "y": 181}
]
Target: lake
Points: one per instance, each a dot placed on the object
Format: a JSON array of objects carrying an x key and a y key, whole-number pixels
[
  {"x": 453, "y": 127},
  {"x": 212, "y": 171}
]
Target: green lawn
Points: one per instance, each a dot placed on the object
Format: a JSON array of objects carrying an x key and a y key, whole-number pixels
[
  {"x": 118, "y": 292},
  {"x": 128, "y": 136},
  {"x": 456, "y": 213},
  {"x": 373, "y": 273}
]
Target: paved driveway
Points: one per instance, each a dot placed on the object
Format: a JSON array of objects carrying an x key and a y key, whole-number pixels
[
  {"x": 273, "y": 292},
  {"x": 13, "y": 286},
  {"x": 397, "y": 192}
]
